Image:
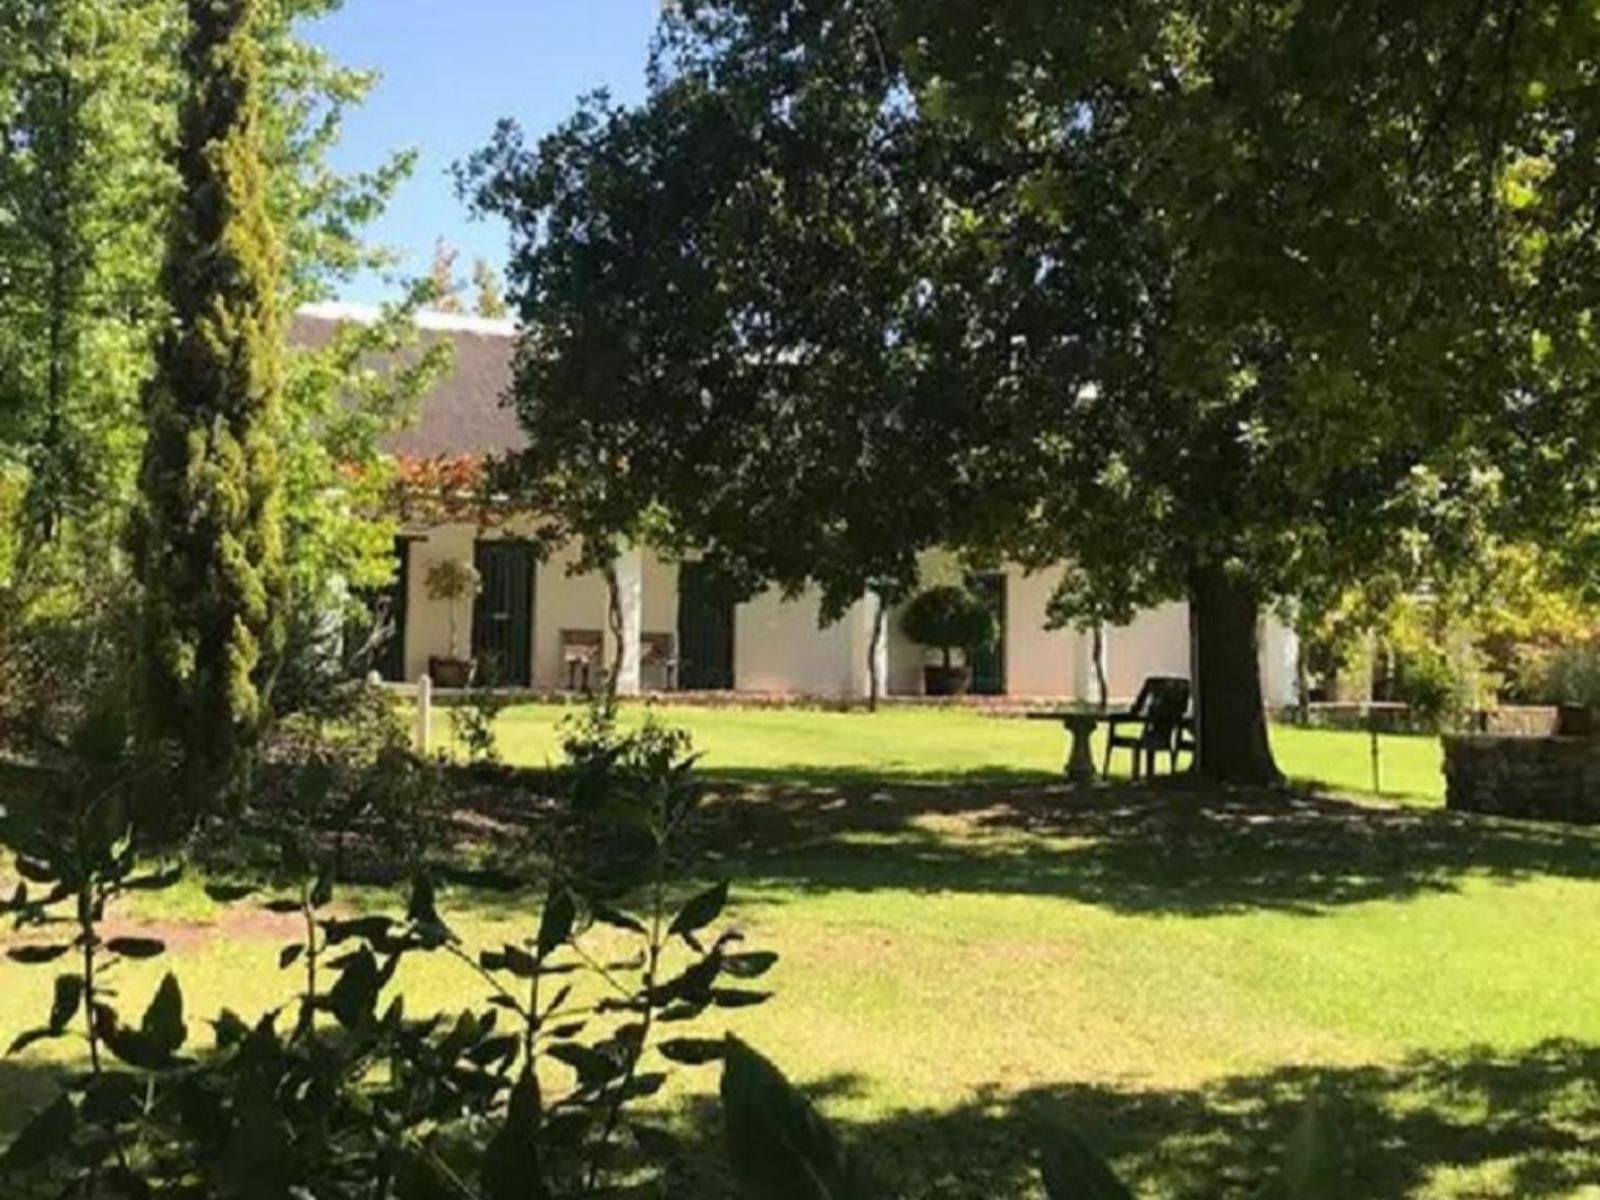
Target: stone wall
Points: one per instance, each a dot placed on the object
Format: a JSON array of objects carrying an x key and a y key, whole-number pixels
[
  {"x": 1523, "y": 720},
  {"x": 1548, "y": 778}
]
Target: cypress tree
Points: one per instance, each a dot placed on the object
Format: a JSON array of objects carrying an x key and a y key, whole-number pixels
[{"x": 208, "y": 537}]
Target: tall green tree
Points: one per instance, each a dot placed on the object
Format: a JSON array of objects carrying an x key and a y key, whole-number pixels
[
  {"x": 86, "y": 94},
  {"x": 1345, "y": 299},
  {"x": 1222, "y": 302},
  {"x": 209, "y": 537},
  {"x": 88, "y": 112}
]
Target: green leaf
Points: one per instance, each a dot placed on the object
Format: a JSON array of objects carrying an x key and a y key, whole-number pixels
[
  {"x": 699, "y": 912},
  {"x": 162, "y": 1023},
  {"x": 289, "y": 955},
  {"x": 615, "y": 917},
  {"x": 43, "y": 1138},
  {"x": 423, "y": 907},
  {"x": 518, "y": 961},
  {"x": 693, "y": 1051},
  {"x": 33, "y": 956},
  {"x": 230, "y": 1029},
  {"x": 112, "y": 1098},
  {"x": 749, "y": 966},
  {"x": 36, "y": 871},
  {"x": 1072, "y": 1171},
  {"x": 322, "y": 890},
  {"x": 778, "y": 1146},
  {"x": 24, "y": 1040},
  {"x": 738, "y": 997},
  {"x": 593, "y": 1068},
  {"x": 354, "y": 996},
  {"x": 555, "y": 923},
  {"x": 64, "y": 1004},
  {"x": 658, "y": 1144},
  {"x": 368, "y": 928},
  {"x": 229, "y": 893},
  {"x": 136, "y": 947},
  {"x": 502, "y": 1049},
  {"x": 511, "y": 1168}
]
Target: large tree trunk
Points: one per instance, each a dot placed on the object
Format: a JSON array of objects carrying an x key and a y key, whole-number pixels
[{"x": 1232, "y": 715}]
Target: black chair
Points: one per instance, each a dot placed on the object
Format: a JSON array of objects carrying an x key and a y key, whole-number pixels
[{"x": 1155, "y": 721}]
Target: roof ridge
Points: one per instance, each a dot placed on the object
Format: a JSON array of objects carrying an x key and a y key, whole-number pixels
[{"x": 440, "y": 322}]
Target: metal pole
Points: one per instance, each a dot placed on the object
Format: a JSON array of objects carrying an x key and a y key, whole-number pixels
[{"x": 1372, "y": 731}]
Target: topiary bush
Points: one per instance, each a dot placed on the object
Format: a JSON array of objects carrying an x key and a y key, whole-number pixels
[{"x": 947, "y": 619}]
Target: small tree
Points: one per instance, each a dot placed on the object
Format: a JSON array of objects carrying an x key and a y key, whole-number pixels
[
  {"x": 948, "y": 619},
  {"x": 453, "y": 580},
  {"x": 446, "y": 285},
  {"x": 491, "y": 301}
]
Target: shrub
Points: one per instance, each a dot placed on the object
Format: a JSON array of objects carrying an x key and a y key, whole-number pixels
[
  {"x": 1427, "y": 682},
  {"x": 340, "y": 1092},
  {"x": 1568, "y": 675},
  {"x": 947, "y": 619}
]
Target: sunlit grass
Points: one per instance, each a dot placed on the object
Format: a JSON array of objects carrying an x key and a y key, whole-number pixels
[
  {"x": 900, "y": 742},
  {"x": 969, "y": 963}
]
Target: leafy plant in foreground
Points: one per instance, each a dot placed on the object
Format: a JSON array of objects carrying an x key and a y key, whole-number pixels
[
  {"x": 780, "y": 1148},
  {"x": 340, "y": 1094}
]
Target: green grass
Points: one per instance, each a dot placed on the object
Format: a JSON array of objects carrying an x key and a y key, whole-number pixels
[
  {"x": 905, "y": 743},
  {"x": 973, "y": 961}
]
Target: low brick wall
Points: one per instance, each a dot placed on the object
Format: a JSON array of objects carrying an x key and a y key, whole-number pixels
[{"x": 1547, "y": 778}]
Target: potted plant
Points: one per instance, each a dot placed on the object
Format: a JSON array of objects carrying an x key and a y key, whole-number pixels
[
  {"x": 452, "y": 580},
  {"x": 949, "y": 619}
]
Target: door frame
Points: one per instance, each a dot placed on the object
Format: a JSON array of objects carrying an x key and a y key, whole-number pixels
[
  {"x": 727, "y": 676},
  {"x": 520, "y": 671}
]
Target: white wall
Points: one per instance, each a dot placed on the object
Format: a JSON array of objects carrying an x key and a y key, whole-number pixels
[
  {"x": 1280, "y": 653},
  {"x": 566, "y": 601},
  {"x": 1040, "y": 662},
  {"x": 1156, "y": 643},
  {"x": 778, "y": 647}
]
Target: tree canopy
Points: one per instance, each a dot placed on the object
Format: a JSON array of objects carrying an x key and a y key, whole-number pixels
[{"x": 1224, "y": 302}]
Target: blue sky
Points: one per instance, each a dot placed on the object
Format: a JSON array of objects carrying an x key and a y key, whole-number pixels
[{"x": 451, "y": 69}]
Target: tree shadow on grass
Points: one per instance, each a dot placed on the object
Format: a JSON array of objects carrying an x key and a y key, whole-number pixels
[
  {"x": 1477, "y": 1123},
  {"x": 1171, "y": 847}
]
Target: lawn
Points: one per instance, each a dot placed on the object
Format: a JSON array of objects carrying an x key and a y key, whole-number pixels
[
  {"x": 971, "y": 961},
  {"x": 903, "y": 743}
]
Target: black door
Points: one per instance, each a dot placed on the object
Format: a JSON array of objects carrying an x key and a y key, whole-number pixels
[
  {"x": 502, "y": 617},
  {"x": 375, "y": 640},
  {"x": 705, "y": 633},
  {"x": 989, "y": 664},
  {"x": 390, "y": 661}
]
